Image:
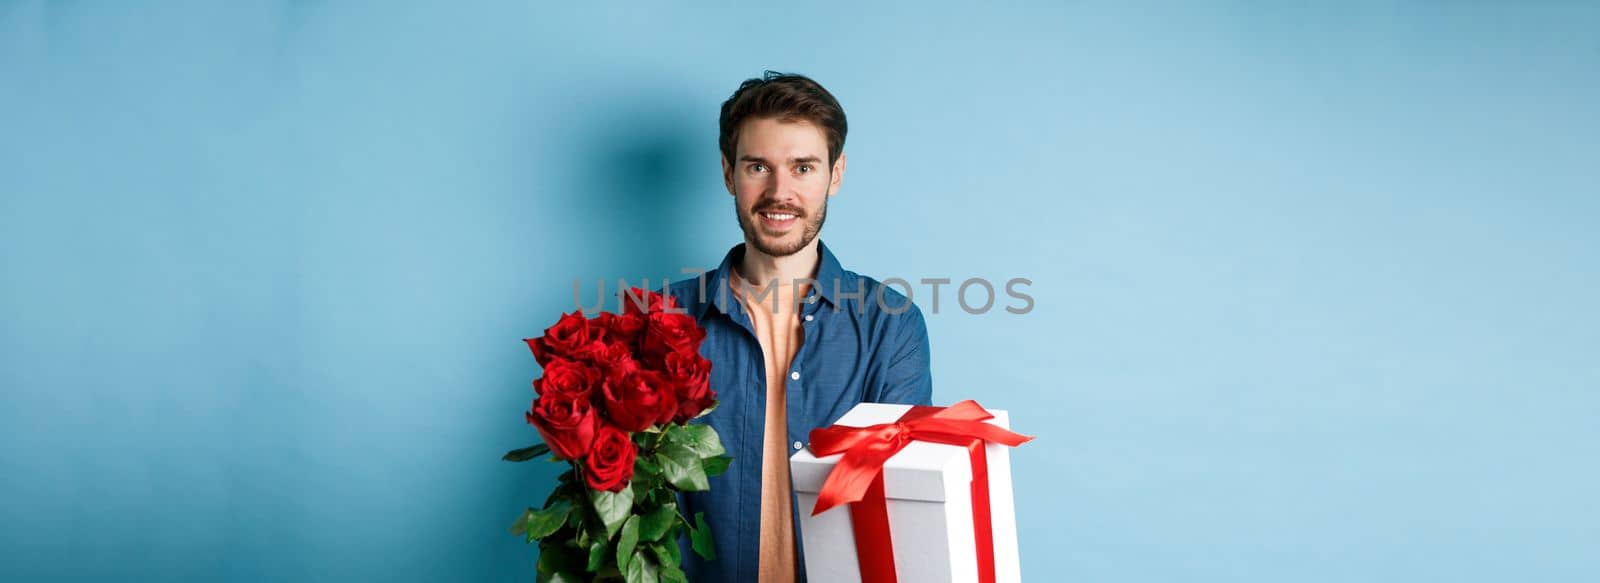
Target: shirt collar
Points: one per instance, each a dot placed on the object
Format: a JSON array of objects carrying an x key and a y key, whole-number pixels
[
  {"x": 831, "y": 281},
  {"x": 831, "y": 278}
]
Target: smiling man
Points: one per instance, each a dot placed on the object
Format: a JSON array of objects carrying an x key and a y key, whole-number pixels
[{"x": 795, "y": 340}]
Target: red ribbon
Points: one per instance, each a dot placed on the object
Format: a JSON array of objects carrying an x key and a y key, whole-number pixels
[{"x": 858, "y": 477}]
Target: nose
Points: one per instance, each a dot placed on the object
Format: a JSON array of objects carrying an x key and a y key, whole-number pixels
[{"x": 785, "y": 188}]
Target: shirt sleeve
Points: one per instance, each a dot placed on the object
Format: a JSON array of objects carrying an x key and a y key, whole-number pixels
[{"x": 910, "y": 377}]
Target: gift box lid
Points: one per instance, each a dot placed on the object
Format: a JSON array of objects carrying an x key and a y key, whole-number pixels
[{"x": 922, "y": 471}]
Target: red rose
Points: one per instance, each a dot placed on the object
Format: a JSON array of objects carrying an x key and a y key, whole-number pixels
[
  {"x": 563, "y": 340},
  {"x": 610, "y": 464},
  {"x": 665, "y": 333},
  {"x": 589, "y": 352},
  {"x": 637, "y": 399},
  {"x": 623, "y": 328},
  {"x": 566, "y": 421},
  {"x": 616, "y": 358},
  {"x": 565, "y": 376},
  {"x": 598, "y": 328},
  {"x": 690, "y": 376},
  {"x": 634, "y": 299}
]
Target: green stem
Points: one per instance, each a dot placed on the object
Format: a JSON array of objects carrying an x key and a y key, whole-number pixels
[{"x": 655, "y": 442}]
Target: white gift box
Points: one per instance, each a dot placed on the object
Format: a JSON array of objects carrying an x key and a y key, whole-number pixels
[{"x": 928, "y": 487}]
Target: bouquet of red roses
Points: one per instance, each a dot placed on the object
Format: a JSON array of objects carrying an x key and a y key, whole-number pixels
[{"x": 614, "y": 402}]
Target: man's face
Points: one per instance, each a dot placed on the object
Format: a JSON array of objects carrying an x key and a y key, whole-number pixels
[{"x": 780, "y": 182}]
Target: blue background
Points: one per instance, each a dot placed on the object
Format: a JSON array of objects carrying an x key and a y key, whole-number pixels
[{"x": 1315, "y": 286}]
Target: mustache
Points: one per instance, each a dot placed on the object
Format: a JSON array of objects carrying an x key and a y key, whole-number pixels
[{"x": 779, "y": 208}]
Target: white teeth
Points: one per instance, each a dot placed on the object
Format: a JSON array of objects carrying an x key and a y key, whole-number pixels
[{"x": 777, "y": 216}]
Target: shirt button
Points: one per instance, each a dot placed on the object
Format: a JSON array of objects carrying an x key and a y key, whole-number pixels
[
  {"x": 811, "y": 300},
  {"x": 798, "y": 445},
  {"x": 795, "y": 375},
  {"x": 808, "y": 317}
]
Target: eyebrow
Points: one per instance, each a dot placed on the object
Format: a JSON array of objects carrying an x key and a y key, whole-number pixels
[{"x": 792, "y": 161}]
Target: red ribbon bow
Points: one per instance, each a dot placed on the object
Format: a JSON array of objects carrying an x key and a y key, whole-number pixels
[{"x": 858, "y": 477}]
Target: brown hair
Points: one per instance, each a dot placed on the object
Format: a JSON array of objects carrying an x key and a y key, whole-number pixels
[{"x": 788, "y": 97}]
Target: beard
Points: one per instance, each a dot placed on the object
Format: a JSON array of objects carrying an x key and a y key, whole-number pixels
[{"x": 810, "y": 225}]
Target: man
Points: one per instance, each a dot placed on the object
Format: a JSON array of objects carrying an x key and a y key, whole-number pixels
[{"x": 794, "y": 339}]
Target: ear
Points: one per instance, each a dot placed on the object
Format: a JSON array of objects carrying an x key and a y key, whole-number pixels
[
  {"x": 727, "y": 175},
  {"x": 838, "y": 175}
]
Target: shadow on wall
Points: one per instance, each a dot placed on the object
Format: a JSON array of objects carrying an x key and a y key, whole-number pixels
[{"x": 639, "y": 173}]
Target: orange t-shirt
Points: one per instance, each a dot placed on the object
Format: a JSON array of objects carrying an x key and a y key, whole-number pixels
[{"x": 779, "y": 334}]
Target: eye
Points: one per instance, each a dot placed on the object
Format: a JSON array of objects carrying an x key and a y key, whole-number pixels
[
  {"x": 804, "y": 168},
  {"x": 757, "y": 167}
]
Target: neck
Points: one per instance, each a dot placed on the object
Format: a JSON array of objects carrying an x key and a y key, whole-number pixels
[{"x": 760, "y": 270}]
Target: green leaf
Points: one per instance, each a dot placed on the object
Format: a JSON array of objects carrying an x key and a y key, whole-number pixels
[
  {"x": 526, "y": 453},
  {"x": 641, "y": 488},
  {"x": 708, "y": 410},
  {"x": 612, "y": 507},
  {"x": 715, "y": 466},
  {"x": 597, "y": 555},
  {"x": 700, "y": 538},
  {"x": 563, "y": 490},
  {"x": 521, "y": 524},
  {"x": 669, "y": 550},
  {"x": 654, "y": 525},
  {"x": 670, "y": 571},
  {"x": 580, "y": 515},
  {"x": 701, "y": 439},
  {"x": 641, "y": 570},
  {"x": 672, "y": 574},
  {"x": 548, "y": 563},
  {"x": 538, "y": 524},
  {"x": 592, "y": 524},
  {"x": 556, "y": 564},
  {"x": 682, "y": 468},
  {"x": 643, "y": 465},
  {"x": 625, "y": 544}
]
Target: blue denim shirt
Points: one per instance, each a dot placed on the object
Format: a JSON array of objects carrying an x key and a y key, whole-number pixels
[{"x": 855, "y": 348}]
